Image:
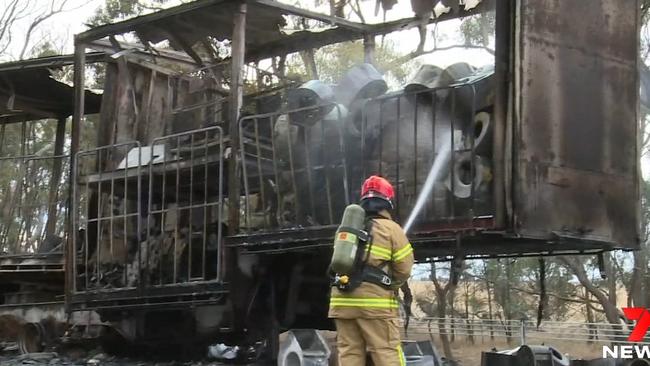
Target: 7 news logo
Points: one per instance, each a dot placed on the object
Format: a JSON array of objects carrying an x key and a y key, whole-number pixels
[{"x": 642, "y": 318}]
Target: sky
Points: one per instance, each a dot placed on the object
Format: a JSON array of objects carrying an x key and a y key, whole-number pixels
[{"x": 61, "y": 27}]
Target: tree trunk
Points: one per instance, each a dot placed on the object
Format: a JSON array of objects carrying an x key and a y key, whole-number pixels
[
  {"x": 590, "y": 316},
  {"x": 55, "y": 180},
  {"x": 507, "y": 309},
  {"x": 638, "y": 283},
  {"x": 369, "y": 49},
  {"x": 310, "y": 63},
  {"x": 488, "y": 288},
  {"x": 442, "y": 314},
  {"x": 441, "y": 307},
  {"x": 470, "y": 331},
  {"x": 609, "y": 305}
]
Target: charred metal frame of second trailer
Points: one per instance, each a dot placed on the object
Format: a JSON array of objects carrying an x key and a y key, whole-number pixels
[{"x": 35, "y": 223}]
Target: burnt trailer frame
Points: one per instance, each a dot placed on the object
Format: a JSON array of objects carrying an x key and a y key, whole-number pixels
[
  {"x": 28, "y": 93},
  {"x": 519, "y": 193},
  {"x": 172, "y": 25},
  {"x": 32, "y": 268}
]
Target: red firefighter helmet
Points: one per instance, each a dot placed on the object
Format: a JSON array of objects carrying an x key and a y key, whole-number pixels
[{"x": 376, "y": 186}]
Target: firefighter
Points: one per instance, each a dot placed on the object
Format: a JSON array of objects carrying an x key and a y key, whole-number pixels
[{"x": 366, "y": 314}]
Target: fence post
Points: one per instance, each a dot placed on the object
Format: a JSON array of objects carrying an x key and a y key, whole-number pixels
[{"x": 523, "y": 331}]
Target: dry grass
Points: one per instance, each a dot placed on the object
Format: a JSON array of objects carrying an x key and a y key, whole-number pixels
[{"x": 469, "y": 354}]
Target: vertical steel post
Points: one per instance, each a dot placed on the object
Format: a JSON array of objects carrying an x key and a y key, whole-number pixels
[
  {"x": 369, "y": 49},
  {"x": 50, "y": 226},
  {"x": 502, "y": 62},
  {"x": 236, "y": 97},
  {"x": 79, "y": 86}
]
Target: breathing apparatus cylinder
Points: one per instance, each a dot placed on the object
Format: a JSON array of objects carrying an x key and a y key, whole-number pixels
[{"x": 346, "y": 241}]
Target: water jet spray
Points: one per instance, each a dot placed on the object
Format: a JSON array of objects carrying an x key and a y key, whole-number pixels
[{"x": 436, "y": 168}]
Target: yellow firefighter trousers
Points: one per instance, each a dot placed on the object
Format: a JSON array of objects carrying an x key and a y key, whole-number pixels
[{"x": 379, "y": 337}]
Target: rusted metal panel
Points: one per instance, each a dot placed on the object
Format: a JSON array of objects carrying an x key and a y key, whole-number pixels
[{"x": 576, "y": 112}]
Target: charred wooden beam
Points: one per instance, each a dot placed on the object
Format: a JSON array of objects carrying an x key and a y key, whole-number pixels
[
  {"x": 369, "y": 49},
  {"x": 79, "y": 98},
  {"x": 55, "y": 179},
  {"x": 301, "y": 41},
  {"x": 140, "y": 53},
  {"x": 308, "y": 40},
  {"x": 186, "y": 46},
  {"x": 502, "y": 66},
  {"x": 209, "y": 49},
  {"x": 236, "y": 97},
  {"x": 49, "y": 62},
  {"x": 345, "y": 30},
  {"x": 130, "y": 24},
  {"x": 126, "y": 78},
  {"x": 22, "y": 109},
  {"x": 292, "y": 10}
]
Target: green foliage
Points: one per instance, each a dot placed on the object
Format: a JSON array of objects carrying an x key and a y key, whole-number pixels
[
  {"x": 514, "y": 285},
  {"x": 645, "y": 210},
  {"x": 335, "y": 60},
  {"x": 478, "y": 30},
  {"x": 115, "y": 10},
  {"x": 645, "y": 11},
  {"x": 45, "y": 49},
  {"x": 25, "y": 184}
]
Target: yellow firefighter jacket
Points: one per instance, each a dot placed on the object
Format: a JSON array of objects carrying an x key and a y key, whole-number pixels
[{"x": 390, "y": 251}]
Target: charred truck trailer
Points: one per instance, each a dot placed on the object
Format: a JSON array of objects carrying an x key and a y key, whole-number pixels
[
  {"x": 34, "y": 198},
  {"x": 208, "y": 209}
]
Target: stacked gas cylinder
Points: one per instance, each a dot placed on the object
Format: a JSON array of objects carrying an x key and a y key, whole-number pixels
[{"x": 358, "y": 129}]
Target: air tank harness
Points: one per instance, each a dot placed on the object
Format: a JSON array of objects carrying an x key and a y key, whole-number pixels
[{"x": 350, "y": 258}]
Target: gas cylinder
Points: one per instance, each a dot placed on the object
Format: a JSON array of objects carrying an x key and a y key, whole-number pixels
[{"x": 346, "y": 240}]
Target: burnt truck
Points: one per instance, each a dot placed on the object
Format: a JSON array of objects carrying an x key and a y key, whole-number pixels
[{"x": 207, "y": 208}]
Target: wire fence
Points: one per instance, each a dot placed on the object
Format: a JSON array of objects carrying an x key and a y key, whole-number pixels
[{"x": 522, "y": 331}]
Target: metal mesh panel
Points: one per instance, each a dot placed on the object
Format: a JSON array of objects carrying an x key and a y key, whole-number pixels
[
  {"x": 185, "y": 208},
  {"x": 149, "y": 217},
  {"x": 302, "y": 167},
  {"x": 294, "y": 168}
]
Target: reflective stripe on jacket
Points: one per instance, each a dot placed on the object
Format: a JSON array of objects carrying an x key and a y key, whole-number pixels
[{"x": 390, "y": 251}]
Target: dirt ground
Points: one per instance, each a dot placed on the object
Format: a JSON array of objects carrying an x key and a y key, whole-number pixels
[
  {"x": 9, "y": 327},
  {"x": 98, "y": 359},
  {"x": 465, "y": 353}
]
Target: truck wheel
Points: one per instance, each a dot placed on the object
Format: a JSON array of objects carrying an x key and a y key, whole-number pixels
[{"x": 31, "y": 338}]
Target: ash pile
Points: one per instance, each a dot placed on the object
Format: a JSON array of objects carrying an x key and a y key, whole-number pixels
[{"x": 9, "y": 356}]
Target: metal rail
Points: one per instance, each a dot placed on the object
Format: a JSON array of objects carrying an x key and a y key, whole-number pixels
[
  {"x": 402, "y": 134},
  {"x": 137, "y": 243},
  {"x": 293, "y": 175},
  {"x": 301, "y": 167},
  {"x": 523, "y": 331},
  {"x": 185, "y": 207},
  {"x": 106, "y": 218}
]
